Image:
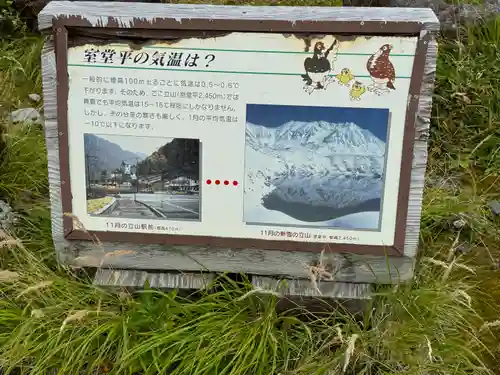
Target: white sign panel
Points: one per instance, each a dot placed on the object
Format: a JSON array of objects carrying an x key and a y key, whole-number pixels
[{"x": 259, "y": 136}]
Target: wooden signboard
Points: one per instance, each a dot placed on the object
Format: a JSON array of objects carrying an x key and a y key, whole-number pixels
[{"x": 276, "y": 141}]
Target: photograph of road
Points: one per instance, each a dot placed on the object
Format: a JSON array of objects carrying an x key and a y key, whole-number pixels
[{"x": 142, "y": 177}]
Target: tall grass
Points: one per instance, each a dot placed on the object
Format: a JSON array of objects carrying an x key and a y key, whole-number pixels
[{"x": 51, "y": 319}]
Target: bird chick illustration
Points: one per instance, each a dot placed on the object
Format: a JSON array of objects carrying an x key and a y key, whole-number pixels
[
  {"x": 381, "y": 70},
  {"x": 318, "y": 67},
  {"x": 357, "y": 90},
  {"x": 345, "y": 76}
]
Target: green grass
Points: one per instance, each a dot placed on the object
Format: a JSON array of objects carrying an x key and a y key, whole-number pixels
[
  {"x": 57, "y": 321},
  {"x": 94, "y": 205},
  {"x": 445, "y": 322}
]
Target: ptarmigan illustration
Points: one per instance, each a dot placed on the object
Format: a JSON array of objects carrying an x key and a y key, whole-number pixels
[
  {"x": 357, "y": 90},
  {"x": 318, "y": 68},
  {"x": 345, "y": 76},
  {"x": 381, "y": 70}
]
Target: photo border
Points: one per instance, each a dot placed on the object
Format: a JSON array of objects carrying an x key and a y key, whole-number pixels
[
  {"x": 198, "y": 220},
  {"x": 386, "y": 151},
  {"x": 62, "y": 24}
]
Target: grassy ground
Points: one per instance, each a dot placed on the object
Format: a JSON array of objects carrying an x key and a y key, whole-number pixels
[
  {"x": 445, "y": 322},
  {"x": 94, "y": 205}
]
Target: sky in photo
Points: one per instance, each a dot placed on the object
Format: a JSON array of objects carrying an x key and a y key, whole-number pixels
[
  {"x": 373, "y": 119},
  {"x": 145, "y": 145}
]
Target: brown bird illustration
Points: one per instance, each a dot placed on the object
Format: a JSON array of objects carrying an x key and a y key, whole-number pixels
[{"x": 381, "y": 70}]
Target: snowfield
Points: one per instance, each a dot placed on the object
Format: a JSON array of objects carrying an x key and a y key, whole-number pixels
[{"x": 313, "y": 174}]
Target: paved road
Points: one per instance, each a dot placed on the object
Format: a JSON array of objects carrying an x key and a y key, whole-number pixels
[
  {"x": 175, "y": 207},
  {"x": 127, "y": 208}
]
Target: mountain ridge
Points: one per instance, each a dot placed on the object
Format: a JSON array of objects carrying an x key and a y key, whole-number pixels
[
  {"x": 296, "y": 133},
  {"x": 105, "y": 155}
]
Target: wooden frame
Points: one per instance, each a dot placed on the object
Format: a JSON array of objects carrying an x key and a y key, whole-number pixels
[{"x": 348, "y": 263}]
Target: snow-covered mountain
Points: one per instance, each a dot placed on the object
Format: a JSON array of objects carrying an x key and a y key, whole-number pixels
[
  {"x": 344, "y": 137},
  {"x": 331, "y": 167}
]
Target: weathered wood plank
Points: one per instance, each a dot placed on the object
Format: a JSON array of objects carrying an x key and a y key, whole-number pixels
[
  {"x": 306, "y": 288},
  {"x": 343, "y": 267},
  {"x": 419, "y": 165},
  {"x": 292, "y": 293},
  {"x": 297, "y": 294},
  {"x": 451, "y": 16},
  {"x": 126, "y": 14},
  {"x": 135, "y": 279},
  {"x": 52, "y": 142}
]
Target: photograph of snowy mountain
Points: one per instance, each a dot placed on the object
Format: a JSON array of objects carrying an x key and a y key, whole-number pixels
[{"x": 314, "y": 166}]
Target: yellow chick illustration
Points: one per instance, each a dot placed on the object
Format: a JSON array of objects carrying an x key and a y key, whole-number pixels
[
  {"x": 357, "y": 90},
  {"x": 345, "y": 76}
]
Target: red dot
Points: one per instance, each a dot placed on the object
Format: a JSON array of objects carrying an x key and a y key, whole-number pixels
[
  {"x": 226, "y": 182},
  {"x": 217, "y": 182},
  {"x": 209, "y": 182},
  {"x": 235, "y": 183}
]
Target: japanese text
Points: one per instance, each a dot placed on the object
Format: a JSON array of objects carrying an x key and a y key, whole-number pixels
[{"x": 152, "y": 58}]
